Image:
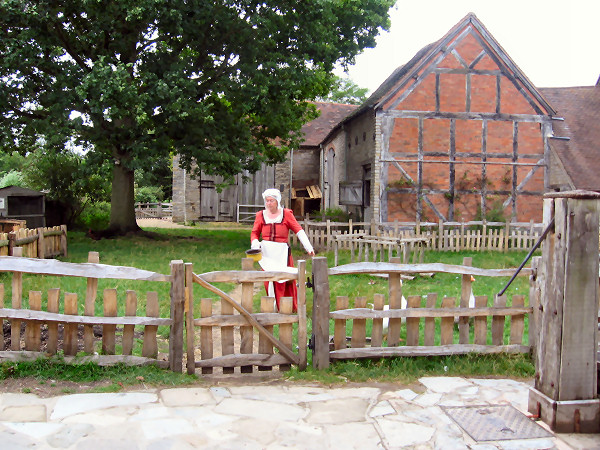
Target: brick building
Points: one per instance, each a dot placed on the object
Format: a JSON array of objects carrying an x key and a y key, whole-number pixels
[{"x": 457, "y": 133}]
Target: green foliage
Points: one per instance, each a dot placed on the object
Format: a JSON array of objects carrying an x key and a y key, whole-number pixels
[
  {"x": 344, "y": 90},
  {"x": 149, "y": 194},
  {"x": 333, "y": 214},
  {"x": 135, "y": 80},
  {"x": 68, "y": 178},
  {"x": 12, "y": 178},
  {"x": 11, "y": 161},
  {"x": 94, "y": 217}
]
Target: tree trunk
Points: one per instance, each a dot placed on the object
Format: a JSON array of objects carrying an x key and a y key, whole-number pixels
[{"x": 122, "y": 203}]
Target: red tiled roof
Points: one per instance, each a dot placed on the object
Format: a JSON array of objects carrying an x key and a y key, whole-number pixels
[
  {"x": 580, "y": 155},
  {"x": 331, "y": 114}
]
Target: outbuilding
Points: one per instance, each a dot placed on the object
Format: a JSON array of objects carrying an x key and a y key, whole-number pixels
[{"x": 20, "y": 203}]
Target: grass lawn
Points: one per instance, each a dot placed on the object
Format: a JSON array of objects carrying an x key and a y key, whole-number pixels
[{"x": 211, "y": 248}]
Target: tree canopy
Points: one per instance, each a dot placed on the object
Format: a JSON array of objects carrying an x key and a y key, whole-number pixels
[{"x": 224, "y": 84}]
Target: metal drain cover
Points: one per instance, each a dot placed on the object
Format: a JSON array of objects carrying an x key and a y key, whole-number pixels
[{"x": 495, "y": 423}]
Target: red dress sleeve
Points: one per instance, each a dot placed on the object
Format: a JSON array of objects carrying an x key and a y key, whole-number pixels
[
  {"x": 257, "y": 227},
  {"x": 290, "y": 221}
]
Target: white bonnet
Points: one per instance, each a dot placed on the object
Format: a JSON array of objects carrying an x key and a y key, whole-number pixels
[{"x": 273, "y": 193}]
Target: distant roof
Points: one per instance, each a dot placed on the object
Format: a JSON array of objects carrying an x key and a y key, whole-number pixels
[
  {"x": 17, "y": 191},
  {"x": 580, "y": 154},
  {"x": 331, "y": 114}
]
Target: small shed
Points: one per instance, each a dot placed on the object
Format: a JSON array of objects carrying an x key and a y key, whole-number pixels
[{"x": 24, "y": 204}]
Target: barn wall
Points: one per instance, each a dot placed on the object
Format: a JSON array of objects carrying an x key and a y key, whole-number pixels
[{"x": 439, "y": 129}]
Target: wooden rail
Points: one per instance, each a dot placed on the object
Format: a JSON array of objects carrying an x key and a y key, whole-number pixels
[
  {"x": 249, "y": 353},
  {"x": 440, "y": 236},
  {"x": 36, "y": 243},
  {"x": 71, "y": 332},
  {"x": 426, "y": 324}
]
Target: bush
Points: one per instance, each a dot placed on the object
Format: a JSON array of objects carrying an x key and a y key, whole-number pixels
[
  {"x": 12, "y": 178},
  {"x": 149, "y": 194},
  {"x": 95, "y": 217},
  {"x": 333, "y": 214}
]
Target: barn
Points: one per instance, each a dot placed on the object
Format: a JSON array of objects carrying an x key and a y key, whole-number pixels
[{"x": 457, "y": 133}]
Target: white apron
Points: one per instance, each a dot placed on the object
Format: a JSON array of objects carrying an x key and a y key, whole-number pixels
[{"x": 274, "y": 259}]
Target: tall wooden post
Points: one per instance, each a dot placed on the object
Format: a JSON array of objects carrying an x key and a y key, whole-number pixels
[
  {"x": 565, "y": 395},
  {"x": 320, "y": 317},
  {"x": 177, "y": 309}
]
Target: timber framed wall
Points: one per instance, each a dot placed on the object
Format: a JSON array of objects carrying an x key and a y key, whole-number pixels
[{"x": 463, "y": 135}]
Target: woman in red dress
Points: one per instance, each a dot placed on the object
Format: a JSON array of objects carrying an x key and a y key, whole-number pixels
[{"x": 274, "y": 224}]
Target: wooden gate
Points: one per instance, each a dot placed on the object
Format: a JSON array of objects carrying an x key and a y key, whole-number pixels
[{"x": 239, "y": 315}]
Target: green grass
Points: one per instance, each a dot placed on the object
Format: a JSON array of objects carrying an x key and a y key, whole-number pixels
[{"x": 215, "y": 248}]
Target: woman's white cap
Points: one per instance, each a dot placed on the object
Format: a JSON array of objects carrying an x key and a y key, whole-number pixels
[{"x": 273, "y": 193}]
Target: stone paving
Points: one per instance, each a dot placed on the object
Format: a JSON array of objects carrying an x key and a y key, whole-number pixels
[{"x": 267, "y": 417}]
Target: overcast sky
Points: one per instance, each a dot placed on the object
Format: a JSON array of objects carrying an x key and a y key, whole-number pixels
[{"x": 554, "y": 42}]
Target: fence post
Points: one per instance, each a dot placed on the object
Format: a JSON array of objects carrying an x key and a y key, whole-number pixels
[
  {"x": 63, "y": 240},
  {"x": 41, "y": 248},
  {"x": 177, "y": 307},
  {"x": 12, "y": 237},
  {"x": 565, "y": 395},
  {"x": 320, "y": 316}
]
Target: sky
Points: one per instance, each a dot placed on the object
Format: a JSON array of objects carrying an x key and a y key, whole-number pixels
[{"x": 554, "y": 42}]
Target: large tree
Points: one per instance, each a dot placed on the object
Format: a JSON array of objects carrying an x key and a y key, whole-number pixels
[{"x": 222, "y": 83}]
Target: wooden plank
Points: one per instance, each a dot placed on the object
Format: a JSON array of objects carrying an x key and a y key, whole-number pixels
[
  {"x": 447, "y": 323},
  {"x": 150, "y": 345},
  {"x": 465, "y": 294},
  {"x": 285, "y": 329},
  {"x": 252, "y": 276},
  {"x": 206, "y": 335},
  {"x": 578, "y": 368},
  {"x": 498, "y": 322},
  {"x": 128, "y": 330},
  {"x": 190, "y": 332},
  {"x": 395, "y": 301},
  {"x": 227, "y": 343},
  {"x": 177, "y": 294},
  {"x": 339, "y": 327},
  {"x": 246, "y": 332},
  {"x": 412, "y": 324},
  {"x": 439, "y": 350},
  {"x": 237, "y": 359},
  {"x": 17, "y": 294},
  {"x": 109, "y": 331},
  {"x": 25, "y": 314},
  {"x": 391, "y": 268},
  {"x": 70, "y": 329},
  {"x": 302, "y": 322},
  {"x": 377, "y": 330},
  {"x": 33, "y": 332},
  {"x": 265, "y": 319},
  {"x": 90, "y": 305},
  {"x": 320, "y": 319},
  {"x": 480, "y": 323},
  {"x": 86, "y": 270},
  {"x": 517, "y": 325},
  {"x": 359, "y": 326},
  {"x": 451, "y": 312},
  {"x": 264, "y": 345},
  {"x": 429, "y": 338}
]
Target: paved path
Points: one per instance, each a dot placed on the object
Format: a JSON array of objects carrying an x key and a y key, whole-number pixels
[{"x": 267, "y": 417}]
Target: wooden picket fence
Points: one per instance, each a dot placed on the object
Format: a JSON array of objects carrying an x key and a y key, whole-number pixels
[
  {"x": 427, "y": 324},
  {"x": 441, "y": 236},
  {"x": 248, "y": 354},
  {"x": 46, "y": 242}
]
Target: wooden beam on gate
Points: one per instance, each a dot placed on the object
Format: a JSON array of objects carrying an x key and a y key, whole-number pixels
[{"x": 276, "y": 342}]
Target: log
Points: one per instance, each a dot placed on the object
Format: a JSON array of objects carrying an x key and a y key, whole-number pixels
[
  {"x": 392, "y": 268},
  {"x": 239, "y": 359},
  {"x": 366, "y": 313}
]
